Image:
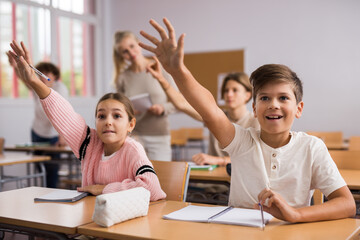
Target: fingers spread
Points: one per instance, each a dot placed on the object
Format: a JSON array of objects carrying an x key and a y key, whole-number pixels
[
  {"x": 160, "y": 29},
  {"x": 170, "y": 28},
  {"x": 150, "y": 37},
  {"x": 147, "y": 47}
]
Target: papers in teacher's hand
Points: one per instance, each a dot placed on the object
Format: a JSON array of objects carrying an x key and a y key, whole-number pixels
[
  {"x": 141, "y": 102},
  {"x": 193, "y": 166},
  {"x": 224, "y": 215},
  {"x": 62, "y": 195}
]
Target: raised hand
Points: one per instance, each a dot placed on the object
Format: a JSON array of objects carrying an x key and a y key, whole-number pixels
[
  {"x": 23, "y": 61},
  {"x": 169, "y": 53},
  {"x": 20, "y": 60}
]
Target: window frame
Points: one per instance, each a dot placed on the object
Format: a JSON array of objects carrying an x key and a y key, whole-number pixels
[{"x": 94, "y": 88}]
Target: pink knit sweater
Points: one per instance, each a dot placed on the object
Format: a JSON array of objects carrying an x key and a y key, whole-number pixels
[{"x": 119, "y": 171}]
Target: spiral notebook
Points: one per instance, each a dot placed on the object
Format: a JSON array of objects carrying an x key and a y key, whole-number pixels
[{"x": 223, "y": 215}]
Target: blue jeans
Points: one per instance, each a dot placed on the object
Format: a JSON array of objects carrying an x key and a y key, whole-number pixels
[{"x": 52, "y": 168}]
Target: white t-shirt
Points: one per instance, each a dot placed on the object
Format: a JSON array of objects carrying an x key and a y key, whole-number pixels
[
  {"x": 293, "y": 171},
  {"x": 41, "y": 124}
]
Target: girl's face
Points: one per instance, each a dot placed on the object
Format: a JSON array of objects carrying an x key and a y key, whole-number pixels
[
  {"x": 112, "y": 125},
  {"x": 235, "y": 94},
  {"x": 129, "y": 49}
]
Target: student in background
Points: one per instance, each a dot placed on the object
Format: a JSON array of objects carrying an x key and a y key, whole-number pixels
[
  {"x": 275, "y": 166},
  {"x": 130, "y": 78},
  {"x": 110, "y": 160},
  {"x": 236, "y": 90},
  {"x": 42, "y": 130}
]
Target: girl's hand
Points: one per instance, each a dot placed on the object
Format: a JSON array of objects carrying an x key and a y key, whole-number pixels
[
  {"x": 21, "y": 57},
  {"x": 156, "y": 109},
  {"x": 169, "y": 53},
  {"x": 277, "y": 206},
  {"x": 93, "y": 189}
]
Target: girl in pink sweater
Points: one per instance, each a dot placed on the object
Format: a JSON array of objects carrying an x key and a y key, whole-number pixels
[{"x": 110, "y": 160}]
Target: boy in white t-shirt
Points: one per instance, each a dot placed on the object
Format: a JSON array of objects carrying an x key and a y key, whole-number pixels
[{"x": 274, "y": 166}]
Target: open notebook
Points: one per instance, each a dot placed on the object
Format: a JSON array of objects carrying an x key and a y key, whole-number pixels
[
  {"x": 62, "y": 195},
  {"x": 224, "y": 215}
]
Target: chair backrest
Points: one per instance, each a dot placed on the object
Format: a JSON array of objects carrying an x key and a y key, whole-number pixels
[
  {"x": 178, "y": 137},
  {"x": 346, "y": 159},
  {"x": 354, "y": 143},
  {"x": 2, "y": 141},
  {"x": 318, "y": 197},
  {"x": 194, "y": 134},
  {"x": 328, "y": 137},
  {"x": 173, "y": 177}
]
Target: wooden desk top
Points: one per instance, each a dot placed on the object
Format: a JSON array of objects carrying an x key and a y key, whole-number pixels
[
  {"x": 337, "y": 146},
  {"x": 18, "y": 208},
  {"x": 153, "y": 226},
  {"x": 38, "y": 148},
  {"x": 351, "y": 177},
  {"x": 218, "y": 174},
  {"x": 11, "y": 158}
]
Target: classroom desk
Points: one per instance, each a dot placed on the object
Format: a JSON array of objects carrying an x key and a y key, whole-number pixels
[
  {"x": 153, "y": 226},
  {"x": 351, "y": 177},
  {"x": 18, "y": 211},
  {"x": 71, "y": 160},
  {"x": 337, "y": 146},
  {"x": 219, "y": 174},
  {"x": 11, "y": 158}
]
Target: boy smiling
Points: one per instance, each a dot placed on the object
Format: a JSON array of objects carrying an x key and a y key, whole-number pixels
[{"x": 274, "y": 166}]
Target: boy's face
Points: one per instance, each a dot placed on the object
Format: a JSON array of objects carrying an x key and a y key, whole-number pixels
[{"x": 276, "y": 108}]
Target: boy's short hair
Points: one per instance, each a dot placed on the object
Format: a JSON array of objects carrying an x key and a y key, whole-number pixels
[
  {"x": 48, "y": 67},
  {"x": 239, "y": 77},
  {"x": 276, "y": 73}
]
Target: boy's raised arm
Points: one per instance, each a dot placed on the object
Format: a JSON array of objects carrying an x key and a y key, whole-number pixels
[{"x": 171, "y": 55}]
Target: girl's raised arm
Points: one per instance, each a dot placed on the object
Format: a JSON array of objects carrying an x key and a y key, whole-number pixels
[{"x": 171, "y": 55}]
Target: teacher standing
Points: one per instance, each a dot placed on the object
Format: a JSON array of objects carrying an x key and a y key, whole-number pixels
[{"x": 131, "y": 78}]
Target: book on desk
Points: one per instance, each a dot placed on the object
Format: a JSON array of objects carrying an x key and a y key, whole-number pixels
[
  {"x": 194, "y": 166},
  {"x": 223, "y": 215},
  {"x": 62, "y": 195}
]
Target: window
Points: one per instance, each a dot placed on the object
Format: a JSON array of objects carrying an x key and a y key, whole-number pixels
[{"x": 62, "y": 32}]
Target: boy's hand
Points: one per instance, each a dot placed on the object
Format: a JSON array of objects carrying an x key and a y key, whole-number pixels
[
  {"x": 93, "y": 189},
  {"x": 169, "y": 53},
  {"x": 277, "y": 206}
]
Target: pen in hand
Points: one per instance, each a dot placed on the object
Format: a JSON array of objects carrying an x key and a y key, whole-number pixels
[
  {"x": 36, "y": 71},
  {"x": 262, "y": 216}
]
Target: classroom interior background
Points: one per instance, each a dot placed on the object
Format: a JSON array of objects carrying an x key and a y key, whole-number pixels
[{"x": 319, "y": 40}]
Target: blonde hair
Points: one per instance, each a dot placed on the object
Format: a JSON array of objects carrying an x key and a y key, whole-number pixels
[{"x": 118, "y": 60}]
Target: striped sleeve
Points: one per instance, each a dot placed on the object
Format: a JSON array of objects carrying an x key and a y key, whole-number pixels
[{"x": 65, "y": 120}]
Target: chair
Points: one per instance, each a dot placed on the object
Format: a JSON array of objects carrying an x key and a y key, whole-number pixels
[
  {"x": 173, "y": 177},
  {"x": 178, "y": 142},
  {"x": 2, "y": 141},
  {"x": 318, "y": 197},
  {"x": 194, "y": 135},
  {"x": 354, "y": 143},
  {"x": 346, "y": 159},
  {"x": 333, "y": 140}
]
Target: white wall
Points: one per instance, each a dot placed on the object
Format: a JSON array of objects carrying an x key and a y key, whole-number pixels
[{"x": 319, "y": 40}]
